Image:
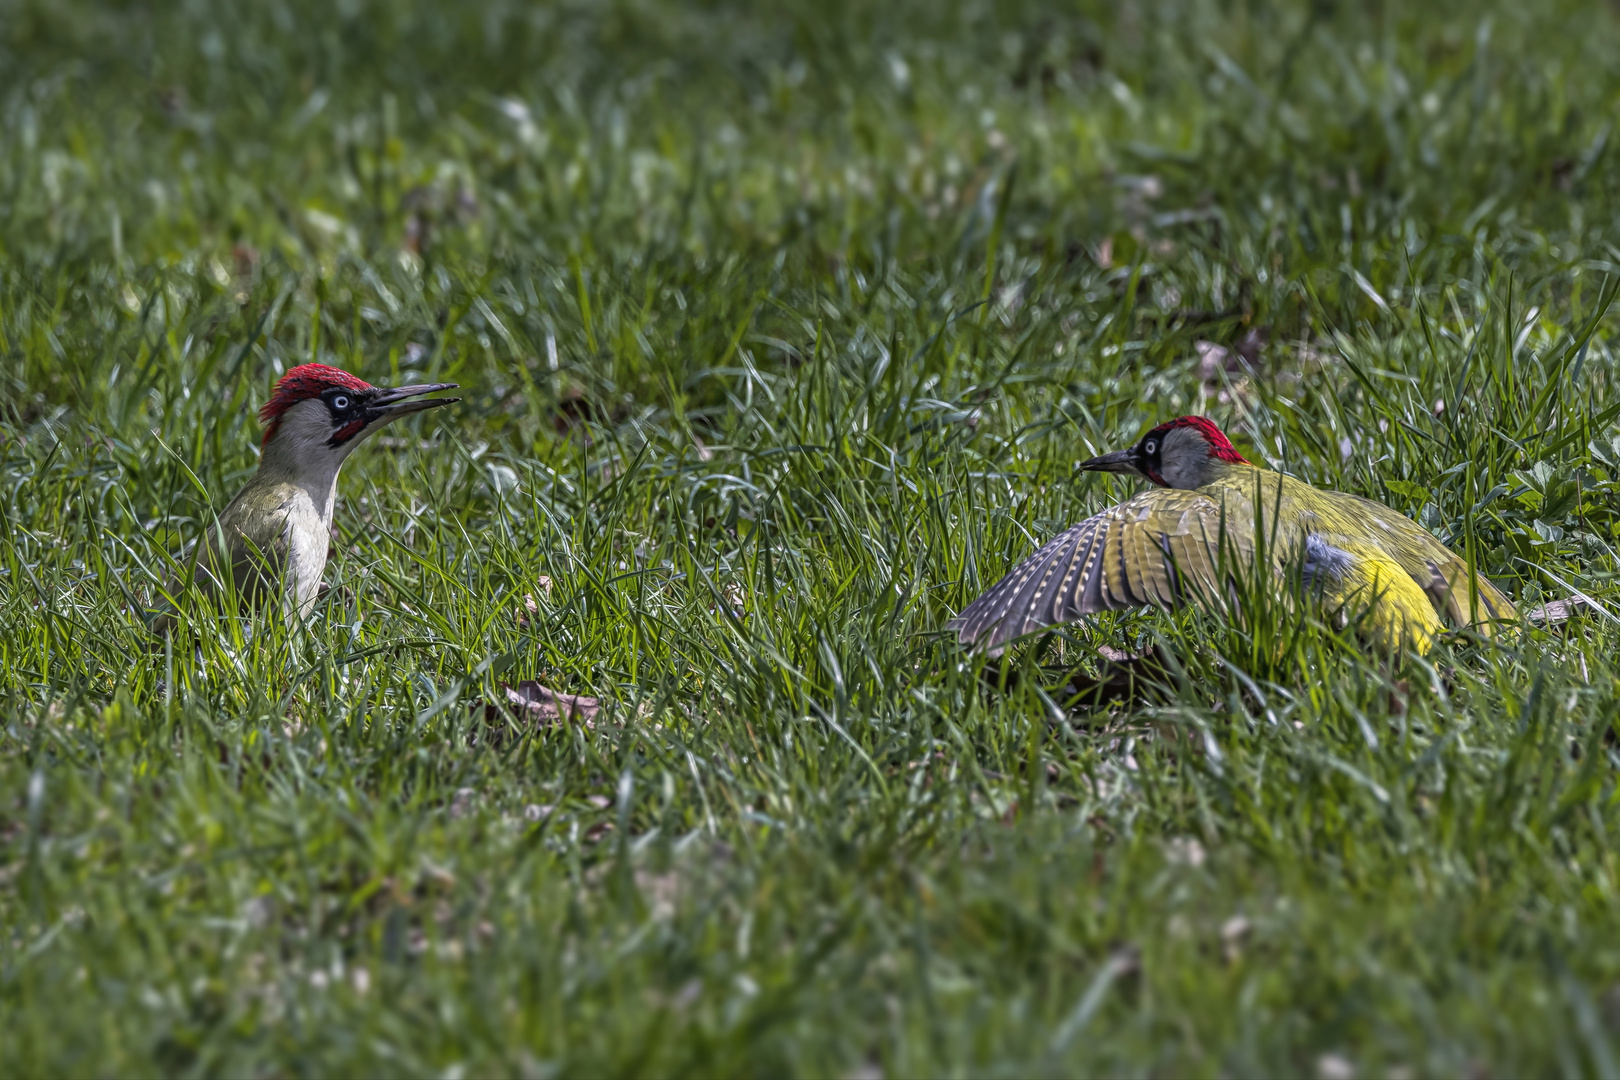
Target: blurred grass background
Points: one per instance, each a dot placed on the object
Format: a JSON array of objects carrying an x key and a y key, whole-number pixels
[{"x": 780, "y": 328}]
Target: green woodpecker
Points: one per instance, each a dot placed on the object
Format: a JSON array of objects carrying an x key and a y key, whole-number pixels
[
  {"x": 1165, "y": 546},
  {"x": 274, "y": 534}
]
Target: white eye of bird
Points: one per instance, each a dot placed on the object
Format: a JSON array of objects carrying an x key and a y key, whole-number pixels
[
  {"x": 340, "y": 402},
  {"x": 1151, "y": 446}
]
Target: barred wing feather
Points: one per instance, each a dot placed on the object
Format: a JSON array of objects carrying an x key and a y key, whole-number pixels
[{"x": 1157, "y": 548}]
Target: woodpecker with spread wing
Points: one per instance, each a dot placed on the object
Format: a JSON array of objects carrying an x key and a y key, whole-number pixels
[
  {"x": 1184, "y": 539},
  {"x": 273, "y": 536}
]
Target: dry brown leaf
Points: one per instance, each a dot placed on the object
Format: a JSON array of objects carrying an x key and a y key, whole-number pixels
[
  {"x": 1213, "y": 359},
  {"x": 1557, "y": 611},
  {"x": 531, "y": 607},
  {"x": 533, "y": 701}
]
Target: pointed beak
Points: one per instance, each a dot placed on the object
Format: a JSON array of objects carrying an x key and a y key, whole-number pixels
[
  {"x": 404, "y": 400},
  {"x": 1120, "y": 461}
]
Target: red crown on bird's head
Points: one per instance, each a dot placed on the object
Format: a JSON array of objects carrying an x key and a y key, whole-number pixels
[
  {"x": 301, "y": 383},
  {"x": 1219, "y": 445}
]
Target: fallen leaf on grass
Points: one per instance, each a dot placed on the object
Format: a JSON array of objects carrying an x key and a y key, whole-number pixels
[
  {"x": 1556, "y": 611},
  {"x": 543, "y": 703},
  {"x": 532, "y": 701},
  {"x": 1225, "y": 370},
  {"x": 531, "y": 607}
]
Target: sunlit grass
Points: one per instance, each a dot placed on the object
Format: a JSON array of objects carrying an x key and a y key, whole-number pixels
[{"x": 779, "y": 334}]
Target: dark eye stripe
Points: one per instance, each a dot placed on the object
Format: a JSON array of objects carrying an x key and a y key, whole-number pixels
[{"x": 346, "y": 432}]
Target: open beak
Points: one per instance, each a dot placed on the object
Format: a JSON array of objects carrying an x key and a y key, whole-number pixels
[
  {"x": 1121, "y": 461},
  {"x": 404, "y": 400}
]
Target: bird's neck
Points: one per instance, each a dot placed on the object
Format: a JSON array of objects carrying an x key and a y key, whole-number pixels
[
  {"x": 316, "y": 476},
  {"x": 1227, "y": 474},
  {"x": 1226, "y": 470},
  {"x": 1190, "y": 473}
]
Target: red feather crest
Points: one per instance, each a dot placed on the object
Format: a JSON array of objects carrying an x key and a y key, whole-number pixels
[
  {"x": 301, "y": 383},
  {"x": 1219, "y": 445}
]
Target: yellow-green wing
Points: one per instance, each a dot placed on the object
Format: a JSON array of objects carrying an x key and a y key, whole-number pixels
[
  {"x": 1440, "y": 572},
  {"x": 1158, "y": 548}
]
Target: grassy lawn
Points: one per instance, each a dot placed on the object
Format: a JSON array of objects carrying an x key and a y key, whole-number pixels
[{"x": 780, "y": 329}]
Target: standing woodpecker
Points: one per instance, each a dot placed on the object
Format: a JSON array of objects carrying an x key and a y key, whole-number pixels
[
  {"x": 1166, "y": 545},
  {"x": 274, "y": 534}
]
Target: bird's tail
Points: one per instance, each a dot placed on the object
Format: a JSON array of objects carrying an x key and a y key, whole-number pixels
[{"x": 1487, "y": 610}]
